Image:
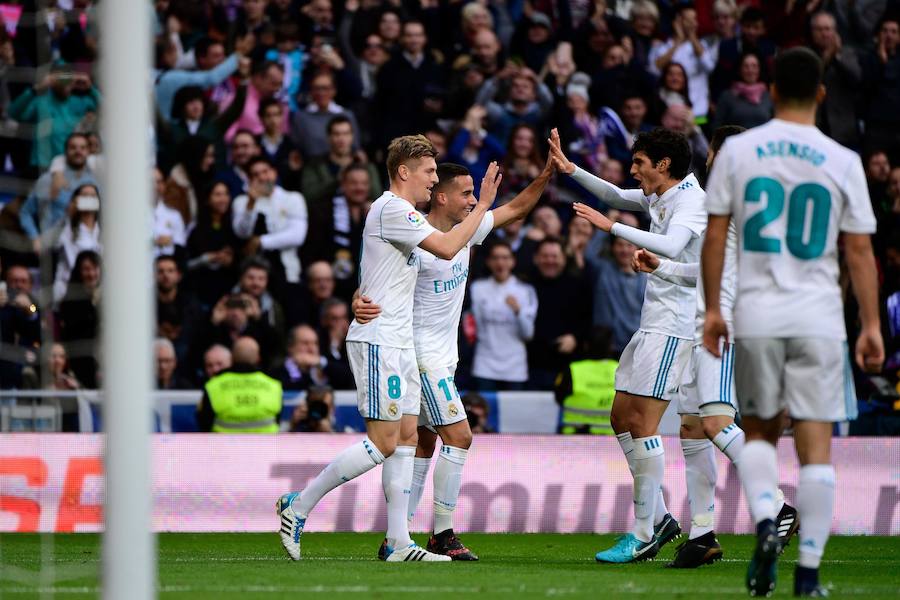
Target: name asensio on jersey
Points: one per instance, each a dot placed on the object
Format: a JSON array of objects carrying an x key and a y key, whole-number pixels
[{"x": 784, "y": 148}]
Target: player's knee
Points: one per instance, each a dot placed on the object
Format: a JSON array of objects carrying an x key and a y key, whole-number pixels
[
  {"x": 386, "y": 446},
  {"x": 619, "y": 422},
  {"x": 462, "y": 438}
]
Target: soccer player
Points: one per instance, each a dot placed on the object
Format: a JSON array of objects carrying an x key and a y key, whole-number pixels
[
  {"x": 381, "y": 353},
  {"x": 440, "y": 290},
  {"x": 707, "y": 404},
  {"x": 651, "y": 365},
  {"x": 791, "y": 191}
]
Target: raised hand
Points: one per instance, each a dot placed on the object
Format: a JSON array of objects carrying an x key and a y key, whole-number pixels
[
  {"x": 490, "y": 184},
  {"x": 594, "y": 217},
  {"x": 563, "y": 164}
]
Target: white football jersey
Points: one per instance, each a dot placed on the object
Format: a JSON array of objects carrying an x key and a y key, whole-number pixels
[
  {"x": 670, "y": 308},
  {"x": 728, "y": 289},
  {"x": 388, "y": 270},
  {"x": 790, "y": 190},
  {"x": 440, "y": 291}
]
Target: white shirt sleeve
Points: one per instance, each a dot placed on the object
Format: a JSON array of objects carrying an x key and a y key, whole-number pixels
[
  {"x": 402, "y": 225},
  {"x": 484, "y": 229},
  {"x": 527, "y": 312},
  {"x": 718, "y": 188},
  {"x": 242, "y": 220},
  {"x": 294, "y": 233},
  {"x": 690, "y": 211},
  {"x": 669, "y": 244},
  {"x": 857, "y": 216},
  {"x": 609, "y": 193},
  {"x": 683, "y": 274}
]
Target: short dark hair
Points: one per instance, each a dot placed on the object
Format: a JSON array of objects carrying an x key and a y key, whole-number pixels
[
  {"x": 265, "y": 103},
  {"x": 752, "y": 15},
  {"x": 660, "y": 143},
  {"x": 549, "y": 241},
  {"x": 263, "y": 67},
  {"x": 256, "y": 160},
  {"x": 202, "y": 46},
  {"x": 354, "y": 166},
  {"x": 255, "y": 262},
  {"x": 337, "y": 120},
  {"x": 77, "y": 134},
  {"x": 167, "y": 257},
  {"x": 798, "y": 75},
  {"x": 446, "y": 173},
  {"x": 723, "y": 133},
  {"x": 500, "y": 243}
]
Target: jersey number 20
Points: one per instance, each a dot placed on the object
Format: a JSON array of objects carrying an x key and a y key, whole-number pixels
[{"x": 798, "y": 213}]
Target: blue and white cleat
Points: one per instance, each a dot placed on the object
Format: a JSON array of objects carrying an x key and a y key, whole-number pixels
[
  {"x": 629, "y": 549},
  {"x": 291, "y": 524},
  {"x": 413, "y": 553}
]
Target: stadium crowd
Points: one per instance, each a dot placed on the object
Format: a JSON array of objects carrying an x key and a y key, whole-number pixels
[{"x": 272, "y": 119}]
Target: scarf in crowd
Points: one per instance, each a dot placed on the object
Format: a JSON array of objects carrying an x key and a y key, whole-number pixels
[{"x": 751, "y": 92}]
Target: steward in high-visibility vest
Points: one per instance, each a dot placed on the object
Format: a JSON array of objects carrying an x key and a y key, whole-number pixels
[
  {"x": 586, "y": 390},
  {"x": 242, "y": 399}
]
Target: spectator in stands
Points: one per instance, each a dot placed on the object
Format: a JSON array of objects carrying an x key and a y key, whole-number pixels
[
  {"x": 673, "y": 90},
  {"x": 289, "y": 53},
  {"x": 20, "y": 325},
  {"x": 686, "y": 49},
  {"x": 473, "y": 147},
  {"x": 321, "y": 175},
  {"x": 562, "y": 302},
  {"x": 878, "y": 172},
  {"x": 751, "y": 39},
  {"x": 169, "y": 230},
  {"x": 324, "y": 57},
  {"x": 678, "y": 118},
  {"x": 315, "y": 413},
  {"x": 211, "y": 247},
  {"x": 55, "y": 113},
  {"x": 215, "y": 360},
  {"x": 882, "y": 87},
  {"x": 580, "y": 234},
  {"x": 46, "y": 205},
  {"x": 545, "y": 223},
  {"x": 178, "y": 313},
  {"x": 241, "y": 399},
  {"x": 193, "y": 173},
  {"x": 82, "y": 232},
  {"x": 265, "y": 82},
  {"x": 618, "y": 292},
  {"x": 213, "y": 69},
  {"x": 529, "y": 101},
  {"x": 304, "y": 366},
  {"x": 235, "y": 316},
  {"x": 311, "y": 126},
  {"x": 504, "y": 310},
  {"x": 334, "y": 324},
  {"x": 278, "y": 147},
  {"x": 534, "y": 40},
  {"x": 365, "y": 67},
  {"x": 583, "y": 130},
  {"x": 836, "y": 116},
  {"x": 274, "y": 223},
  {"x": 58, "y": 376},
  {"x": 725, "y": 17},
  {"x": 585, "y": 388},
  {"x": 625, "y": 125},
  {"x": 166, "y": 363},
  {"x": 244, "y": 148},
  {"x": 336, "y": 226},
  {"x": 644, "y": 17},
  {"x": 521, "y": 241},
  {"x": 191, "y": 116},
  {"x": 254, "y": 280},
  {"x": 521, "y": 160},
  {"x": 747, "y": 102},
  {"x": 390, "y": 28},
  {"x": 307, "y": 305},
  {"x": 79, "y": 317},
  {"x": 403, "y": 83},
  {"x": 478, "y": 412}
]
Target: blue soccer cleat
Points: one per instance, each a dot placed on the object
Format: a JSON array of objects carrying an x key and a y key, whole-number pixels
[
  {"x": 291, "y": 524},
  {"x": 763, "y": 569},
  {"x": 629, "y": 549}
]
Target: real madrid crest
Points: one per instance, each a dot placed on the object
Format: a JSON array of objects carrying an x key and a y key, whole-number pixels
[
  {"x": 453, "y": 410},
  {"x": 393, "y": 409}
]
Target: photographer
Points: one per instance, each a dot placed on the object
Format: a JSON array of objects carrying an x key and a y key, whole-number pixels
[{"x": 315, "y": 414}]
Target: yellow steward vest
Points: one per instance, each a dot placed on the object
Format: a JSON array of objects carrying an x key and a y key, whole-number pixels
[
  {"x": 593, "y": 390},
  {"x": 244, "y": 402}
]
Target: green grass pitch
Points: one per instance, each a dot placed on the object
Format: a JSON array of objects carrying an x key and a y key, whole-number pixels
[{"x": 343, "y": 565}]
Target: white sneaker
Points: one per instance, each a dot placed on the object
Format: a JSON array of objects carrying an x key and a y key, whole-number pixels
[
  {"x": 414, "y": 553},
  {"x": 291, "y": 525}
]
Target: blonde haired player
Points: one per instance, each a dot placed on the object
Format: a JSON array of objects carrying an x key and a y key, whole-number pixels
[{"x": 381, "y": 352}]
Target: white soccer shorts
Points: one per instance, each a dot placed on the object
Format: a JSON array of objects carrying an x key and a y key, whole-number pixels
[
  {"x": 652, "y": 365},
  {"x": 810, "y": 377},
  {"x": 707, "y": 388},
  {"x": 387, "y": 380},
  {"x": 441, "y": 404}
]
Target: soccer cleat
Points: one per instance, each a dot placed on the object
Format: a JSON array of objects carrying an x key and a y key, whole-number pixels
[
  {"x": 787, "y": 523},
  {"x": 703, "y": 550},
  {"x": 667, "y": 530},
  {"x": 762, "y": 572},
  {"x": 383, "y": 550},
  {"x": 291, "y": 524},
  {"x": 806, "y": 583},
  {"x": 448, "y": 544},
  {"x": 629, "y": 549},
  {"x": 413, "y": 553}
]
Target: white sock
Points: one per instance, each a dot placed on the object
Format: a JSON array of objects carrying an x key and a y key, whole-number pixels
[
  {"x": 627, "y": 444},
  {"x": 396, "y": 479},
  {"x": 420, "y": 474},
  {"x": 649, "y": 465},
  {"x": 730, "y": 441},
  {"x": 815, "y": 503},
  {"x": 700, "y": 475},
  {"x": 349, "y": 464},
  {"x": 758, "y": 470},
  {"x": 447, "y": 479}
]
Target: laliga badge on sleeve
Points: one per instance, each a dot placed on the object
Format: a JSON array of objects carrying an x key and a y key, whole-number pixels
[{"x": 414, "y": 217}]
